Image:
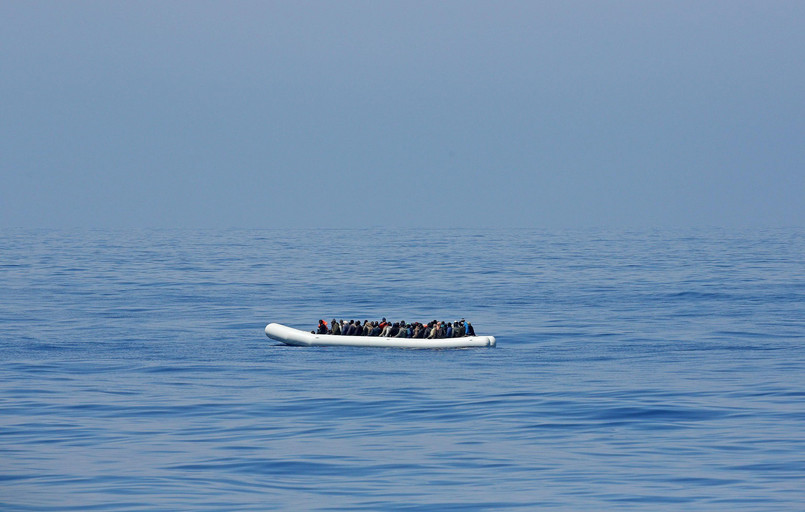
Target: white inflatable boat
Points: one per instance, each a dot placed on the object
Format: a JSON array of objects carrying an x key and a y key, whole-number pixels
[{"x": 291, "y": 336}]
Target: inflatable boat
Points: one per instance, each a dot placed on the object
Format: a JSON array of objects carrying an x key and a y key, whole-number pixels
[{"x": 291, "y": 336}]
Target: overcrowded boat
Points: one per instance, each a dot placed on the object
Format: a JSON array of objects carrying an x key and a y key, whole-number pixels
[{"x": 432, "y": 335}]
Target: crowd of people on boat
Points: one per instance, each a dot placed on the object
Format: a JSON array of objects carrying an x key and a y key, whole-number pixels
[{"x": 385, "y": 329}]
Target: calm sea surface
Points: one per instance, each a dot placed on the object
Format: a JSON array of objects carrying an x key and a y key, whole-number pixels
[{"x": 635, "y": 370}]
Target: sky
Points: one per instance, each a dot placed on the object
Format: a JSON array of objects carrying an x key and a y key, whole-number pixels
[{"x": 402, "y": 114}]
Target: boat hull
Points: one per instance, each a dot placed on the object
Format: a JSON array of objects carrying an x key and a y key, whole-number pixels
[{"x": 291, "y": 336}]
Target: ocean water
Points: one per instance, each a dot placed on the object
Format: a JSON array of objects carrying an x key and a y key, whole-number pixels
[{"x": 635, "y": 370}]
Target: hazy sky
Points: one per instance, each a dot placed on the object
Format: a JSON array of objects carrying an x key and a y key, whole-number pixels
[{"x": 402, "y": 114}]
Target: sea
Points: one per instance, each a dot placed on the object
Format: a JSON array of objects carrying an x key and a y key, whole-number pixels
[{"x": 649, "y": 369}]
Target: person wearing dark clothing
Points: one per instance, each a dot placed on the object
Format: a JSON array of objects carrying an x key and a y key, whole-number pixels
[
  {"x": 470, "y": 330},
  {"x": 322, "y": 327}
]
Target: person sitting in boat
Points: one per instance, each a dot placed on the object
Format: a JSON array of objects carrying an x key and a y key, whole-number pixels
[
  {"x": 376, "y": 329},
  {"x": 322, "y": 327}
]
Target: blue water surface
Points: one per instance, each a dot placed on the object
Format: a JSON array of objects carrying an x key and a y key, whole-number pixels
[{"x": 635, "y": 370}]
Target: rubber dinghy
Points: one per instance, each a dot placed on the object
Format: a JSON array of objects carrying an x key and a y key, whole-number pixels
[{"x": 291, "y": 336}]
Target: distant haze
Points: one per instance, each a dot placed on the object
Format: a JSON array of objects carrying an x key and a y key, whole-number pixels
[{"x": 402, "y": 114}]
